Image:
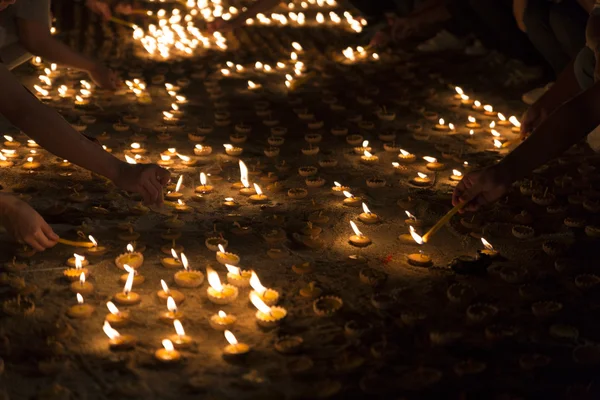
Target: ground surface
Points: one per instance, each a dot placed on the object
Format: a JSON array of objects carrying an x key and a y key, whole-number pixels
[{"x": 406, "y": 338}]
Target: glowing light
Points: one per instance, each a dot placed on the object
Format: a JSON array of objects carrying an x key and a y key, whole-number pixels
[
  {"x": 422, "y": 175},
  {"x": 487, "y": 244},
  {"x": 110, "y": 332},
  {"x": 256, "y": 285},
  {"x": 258, "y": 190},
  {"x": 357, "y": 232},
  {"x": 430, "y": 159},
  {"x": 213, "y": 279},
  {"x": 366, "y": 209},
  {"x": 112, "y": 308},
  {"x": 179, "y": 182},
  {"x": 79, "y": 298},
  {"x": 259, "y": 304},
  {"x": 230, "y": 337}
]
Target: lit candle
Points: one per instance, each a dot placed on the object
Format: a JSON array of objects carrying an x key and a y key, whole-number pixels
[
  {"x": 516, "y": 124},
  {"x": 202, "y": 151},
  {"x": 165, "y": 161},
  {"x": 116, "y": 340},
  {"x": 456, "y": 175},
  {"x": 412, "y": 220},
  {"x": 232, "y": 150},
  {"x": 489, "y": 110},
  {"x": 172, "y": 312},
  {"x": 81, "y": 101},
  {"x": 502, "y": 121},
  {"x": 80, "y": 310},
  {"x": 4, "y": 162},
  {"x": 167, "y": 354},
  {"x": 254, "y": 86},
  {"x": 351, "y": 200},
  {"x": 433, "y": 164},
  {"x": 115, "y": 316},
  {"x": 441, "y": 125},
  {"x": 134, "y": 259},
  {"x": 269, "y": 296},
  {"x": 267, "y": 316},
  {"x": 418, "y": 259},
  {"x": 365, "y": 147},
  {"x": 180, "y": 339},
  {"x": 31, "y": 165},
  {"x": 234, "y": 348},
  {"x": 259, "y": 197},
  {"x": 224, "y": 257},
  {"x": 421, "y": 180},
  {"x": 127, "y": 297},
  {"x": 176, "y": 194},
  {"x": 82, "y": 286},
  {"x": 77, "y": 262},
  {"x": 137, "y": 278},
  {"x": 238, "y": 277},
  {"x": 405, "y": 157},
  {"x": 181, "y": 207},
  {"x": 358, "y": 239},
  {"x": 369, "y": 158},
  {"x": 472, "y": 124},
  {"x": 166, "y": 292},
  {"x": 229, "y": 202},
  {"x": 222, "y": 321},
  {"x": 96, "y": 250},
  {"x": 465, "y": 100},
  {"x": 367, "y": 216},
  {"x": 32, "y": 144},
  {"x": 217, "y": 292},
  {"x": 204, "y": 188},
  {"x": 477, "y": 106},
  {"x": 188, "y": 278},
  {"x": 489, "y": 249}
]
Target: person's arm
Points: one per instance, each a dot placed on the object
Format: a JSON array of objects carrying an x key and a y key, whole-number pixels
[
  {"x": 519, "y": 7},
  {"x": 562, "y": 129},
  {"x": 587, "y": 5},
  {"x": 53, "y": 133},
  {"x": 36, "y": 38}
]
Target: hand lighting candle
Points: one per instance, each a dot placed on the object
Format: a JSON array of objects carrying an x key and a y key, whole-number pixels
[
  {"x": 224, "y": 257},
  {"x": 172, "y": 312},
  {"x": 259, "y": 197},
  {"x": 222, "y": 321},
  {"x": 188, "y": 278},
  {"x": 176, "y": 194},
  {"x": 81, "y": 310},
  {"x": 82, "y": 286},
  {"x": 96, "y": 250},
  {"x": 117, "y": 341},
  {"x": 116, "y": 317},
  {"x": 269, "y": 296},
  {"x": 358, "y": 239},
  {"x": 165, "y": 293},
  {"x": 217, "y": 292},
  {"x": 367, "y": 216},
  {"x": 267, "y": 316},
  {"x": 167, "y": 354},
  {"x": 127, "y": 297},
  {"x": 238, "y": 277},
  {"x": 351, "y": 201},
  {"x": 234, "y": 349},
  {"x": 180, "y": 339},
  {"x": 418, "y": 259},
  {"x": 433, "y": 164}
]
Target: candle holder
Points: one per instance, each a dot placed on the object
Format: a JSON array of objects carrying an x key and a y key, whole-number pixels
[
  {"x": 165, "y": 293},
  {"x": 222, "y": 321}
]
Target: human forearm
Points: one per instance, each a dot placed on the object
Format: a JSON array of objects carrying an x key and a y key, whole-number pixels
[
  {"x": 519, "y": 7},
  {"x": 587, "y": 5},
  {"x": 566, "y": 87},
  {"x": 565, "y": 127},
  {"x": 53, "y": 50}
]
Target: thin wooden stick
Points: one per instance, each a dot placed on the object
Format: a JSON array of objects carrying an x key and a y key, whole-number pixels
[
  {"x": 443, "y": 221},
  {"x": 121, "y": 21},
  {"x": 76, "y": 244}
]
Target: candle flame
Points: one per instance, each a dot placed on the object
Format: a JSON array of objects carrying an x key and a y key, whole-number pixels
[
  {"x": 415, "y": 235},
  {"x": 165, "y": 288},
  {"x": 110, "y": 332},
  {"x": 404, "y": 152},
  {"x": 251, "y": 85},
  {"x": 8, "y": 138},
  {"x": 395, "y": 164},
  {"x": 29, "y": 159},
  {"x": 366, "y": 209},
  {"x": 451, "y": 126},
  {"x": 337, "y": 184},
  {"x": 130, "y": 248},
  {"x": 178, "y": 328},
  {"x": 79, "y": 298},
  {"x": 487, "y": 244},
  {"x": 259, "y": 304},
  {"x": 471, "y": 119},
  {"x": 365, "y": 143},
  {"x": 441, "y": 121},
  {"x": 258, "y": 190},
  {"x": 171, "y": 305},
  {"x": 165, "y": 158},
  {"x": 244, "y": 174},
  {"x": 228, "y": 146},
  {"x": 221, "y": 248},
  {"x": 233, "y": 270},
  {"x": 167, "y": 114},
  {"x": 183, "y": 158},
  {"x": 202, "y": 178},
  {"x": 357, "y": 232},
  {"x": 501, "y": 117},
  {"x": 41, "y": 91},
  {"x": 93, "y": 240},
  {"x": 456, "y": 172},
  {"x": 174, "y": 254},
  {"x": 430, "y": 159},
  {"x": 297, "y": 46},
  {"x": 410, "y": 216},
  {"x": 495, "y": 133},
  {"x": 513, "y": 120},
  {"x": 492, "y": 124},
  {"x": 488, "y": 108},
  {"x": 471, "y": 132},
  {"x": 422, "y": 175},
  {"x": 459, "y": 90},
  {"x": 112, "y": 308},
  {"x": 497, "y": 143},
  {"x": 184, "y": 261},
  {"x": 477, "y": 103},
  {"x": 179, "y": 182},
  {"x": 129, "y": 282},
  {"x": 256, "y": 285},
  {"x": 221, "y": 314},
  {"x": 348, "y": 194},
  {"x": 230, "y": 338},
  {"x": 175, "y": 107},
  {"x": 213, "y": 279},
  {"x": 130, "y": 160},
  {"x": 464, "y": 97},
  {"x": 82, "y": 278},
  {"x": 2, "y": 158},
  {"x": 168, "y": 345}
]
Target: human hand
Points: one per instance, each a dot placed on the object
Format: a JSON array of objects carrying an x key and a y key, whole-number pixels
[
  {"x": 99, "y": 7},
  {"x": 379, "y": 39},
  {"x": 480, "y": 188},
  {"x": 145, "y": 179},
  {"x": 25, "y": 225},
  {"x": 103, "y": 77},
  {"x": 532, "y": 118},
  {"x": 402, "y": 27}
]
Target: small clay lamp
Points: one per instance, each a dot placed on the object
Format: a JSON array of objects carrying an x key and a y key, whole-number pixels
[
  {"x": 95, "y": 251},
  {"x": 80, "y": 310},
  {"x": 118, "y": 342},
  {"x": 238, "y": 277},
  {"x": 4, "y": 162},
  {"x": 472, "y": 124},
  {"x": 172, "y": 312},
  {"x": 351, "y": 200},
  {"x": 269, "y": 296},
  {"x": 412, "y": 220},
  {"x": 217, "y": 292},
  {"x": 116, "y": 317},
  {"x": 421, "y": 180},
  {"x": 186, "y": 161},
  {"x": 477, "y": 106},
  {"x": 489, "y": 110},
  {"x": 338, "y": 189},
  {"x": 224, "y": 257},
  {"x": 433, "y": 164},
  {"x": 358, "y": 239},
  {"x": 418, "y": 259},
  {"x": 166, "y": 292},
  {"x": 441, "y": 126},
  {"x": 168, "y": 354},
  {"x": 222, "y": 321},
  {"x": 368, "y": 158},
  {"x": 234, "y": 349},
  {"x": 405, "y": 157},
  {"x": 127, "y": 297},
  {"x": 202, "y": 151},
  {"x": 82, "y": 286},
  {"x": 489, "y": 249},
  {"x": 365, "y": 147},
  {"x": 516, "y": 124},
  {"x": 188, "y": 278},
  {"x": 267, "y": 316},
  {"x": 10, "y": 143},
  {"x": 259, "y": 197},
  {"x": 456, "y": 175},
  {"x": 367, "y": 217},
  {"x": 232, "y": 150},
  {"x": 180, "y": 339},
  {"x": 172, "y": 196},
  {"x": 132, "y": 258},
  {"x": 31, "y": 164},
  {"x": 78, "y": 262},
  {"x": 165, "y": 161},
  {"x": 171, "y": 262}
]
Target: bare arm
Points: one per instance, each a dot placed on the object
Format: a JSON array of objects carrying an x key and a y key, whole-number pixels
[
  {"x": 587, "y": 5},
  {"x": 50, "y": 130},
  {"x": 519, "y": 7}
]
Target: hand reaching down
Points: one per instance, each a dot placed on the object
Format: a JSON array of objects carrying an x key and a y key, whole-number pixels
[
  {"x": 481, "y": 188},
  {"x": 145, "y": 179},
  {"x": 25, "y": 225}
]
